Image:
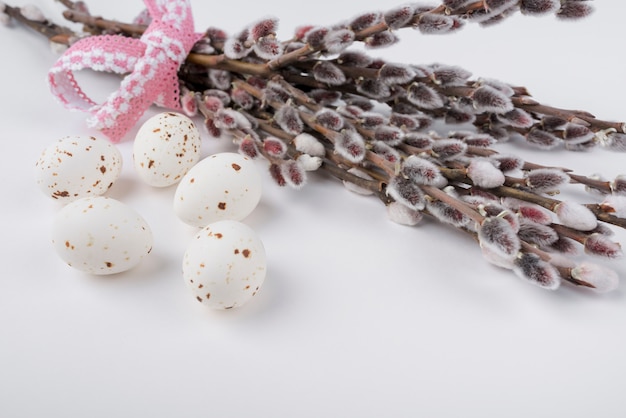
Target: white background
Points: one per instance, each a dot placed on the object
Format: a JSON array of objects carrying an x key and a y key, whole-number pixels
[{"x": 359, "y": 317}]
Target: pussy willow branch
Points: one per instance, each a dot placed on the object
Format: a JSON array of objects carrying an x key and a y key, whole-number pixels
[
  {"x": 286, "y": 59},
  {"x": 521, "y": 99},
  {"x": 95, "y": 24},
  {"x": 460, "y": 175},
  {"x": 377, "y": 28},
  {"x": 602, "y": 186},
  {"x": 452, "y": 174},
  {"x": 330, "y": 164},
  {"x": 47, "y": 28}
]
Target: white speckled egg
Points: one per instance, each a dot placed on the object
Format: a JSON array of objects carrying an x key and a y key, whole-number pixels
[
  {"x": 166, "y": 146},
  {"x": 100, "y": 235},
  {"x": 221, "y": 186},
  {"x": 225, "y": 264},
  {"x": 78, "y": 166}
]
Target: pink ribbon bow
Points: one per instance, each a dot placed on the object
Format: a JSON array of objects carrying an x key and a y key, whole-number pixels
[{"x": 152, "y": 61}]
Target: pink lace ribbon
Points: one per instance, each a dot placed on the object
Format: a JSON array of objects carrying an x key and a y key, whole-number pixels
[{"x": 152, "y": 61}]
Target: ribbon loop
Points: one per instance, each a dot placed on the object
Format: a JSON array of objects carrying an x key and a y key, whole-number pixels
[{"x": 152, "y": 61}]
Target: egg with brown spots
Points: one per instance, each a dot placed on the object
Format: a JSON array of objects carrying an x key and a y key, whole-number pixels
[
  {"x": 225, "y": 264},
  {"x": 221, "y": 186},
  {"x": 74, "y": 167},
  {"x": 100, "y": 235},
  {"x": 166, "y": 146}
]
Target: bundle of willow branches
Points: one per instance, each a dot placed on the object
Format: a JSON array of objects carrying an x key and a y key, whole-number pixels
[{"x": 313, "y": 102}]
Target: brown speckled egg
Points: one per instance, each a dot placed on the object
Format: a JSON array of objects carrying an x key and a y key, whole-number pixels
[
  {"x": 222, "y": 186},
  {"x": 225, "y": 264},
  {"x": 166, "y": 146},
  {"x": 78, "y": 166},
  {"x": 100, "y": 235}
]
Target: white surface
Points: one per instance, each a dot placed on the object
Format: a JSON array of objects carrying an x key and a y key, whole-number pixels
[{"x": 358, "y": 317}]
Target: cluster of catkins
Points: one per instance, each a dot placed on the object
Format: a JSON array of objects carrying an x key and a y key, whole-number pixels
[{"x": 314, "y": 102}]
